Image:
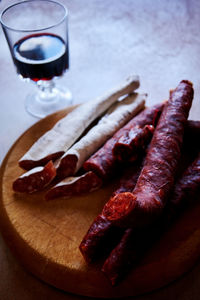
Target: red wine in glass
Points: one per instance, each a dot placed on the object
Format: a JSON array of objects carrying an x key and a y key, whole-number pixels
[
  {"x": 37, "y": 36},
  {"x": 41, "y": 56}
]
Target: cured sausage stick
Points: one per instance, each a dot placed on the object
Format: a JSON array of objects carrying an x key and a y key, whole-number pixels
[
  {"x": 75, "y": 186},
  {"x": 146, "y": 202},
  {"x": 103, "y": 163},
  {"x": 115, "y": 118},
  {"x": 35, "y": 179},
  {"x": 128, "y": 252},
  {"x": 135, "y": 243},
  {"x": 102, "y": 232},
  {"x": 55, "y": 142},
  {"x": 122, "y": 257},
  {"x": 134, "y": 141}
]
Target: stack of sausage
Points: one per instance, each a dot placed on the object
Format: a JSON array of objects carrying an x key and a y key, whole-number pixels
[
  {"x": 57, "y": 157},
  {"x": 152, "y": 189}
]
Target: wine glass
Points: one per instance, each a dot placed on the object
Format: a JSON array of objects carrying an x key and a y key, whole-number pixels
[{"x": 37, "y": 36}]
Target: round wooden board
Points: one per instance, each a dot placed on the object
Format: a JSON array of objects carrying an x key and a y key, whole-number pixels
[{"x": 45, "y": 236}]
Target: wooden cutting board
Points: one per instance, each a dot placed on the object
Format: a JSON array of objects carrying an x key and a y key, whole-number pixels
[{"x": 45, "y": 236}]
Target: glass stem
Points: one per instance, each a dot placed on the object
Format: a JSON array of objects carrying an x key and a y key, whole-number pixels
[{"x": 46, "y": 90}]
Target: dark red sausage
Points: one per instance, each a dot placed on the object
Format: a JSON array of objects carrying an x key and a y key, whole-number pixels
[
  {"x": 121, "y": 257},
  {"x": 135, "y": 243},
  {"x": 67, "y": 166},
  {"x": 102, "y": 232},
  {"x": 35, "y": 179},
  {"x": 103, "y": 162},
  {"x": 128, "y": 253},
  {"x": 74, "y": 186},
  {"x": 156, "y": 180},
  {"x": 130, "y": 250},
  {"x": 188, "y": 185},
  {"x": 134, "y": 141}
]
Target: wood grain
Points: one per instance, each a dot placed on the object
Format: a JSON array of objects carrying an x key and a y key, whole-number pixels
[{"x": 45, "y": 236}]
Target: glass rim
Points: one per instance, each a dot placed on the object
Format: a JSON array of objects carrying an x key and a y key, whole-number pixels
[{"x": 33, "y": 30}]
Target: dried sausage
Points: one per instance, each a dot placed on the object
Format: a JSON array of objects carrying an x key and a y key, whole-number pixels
[
  {"x": 134, "y": 141},
  {"x": 147, "y": 201},
  {"x": 35, "y": 179},
  {"x": 73, "y": 186},
  {"x": 134, "y": 243},
  {"x": 102, "y": 231}
]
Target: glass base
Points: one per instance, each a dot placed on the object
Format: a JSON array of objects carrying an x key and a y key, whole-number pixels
[{"x": 42, "y": 103}]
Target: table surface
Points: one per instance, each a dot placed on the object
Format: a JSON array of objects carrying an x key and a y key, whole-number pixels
[{"x": 109, "y": 40}]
